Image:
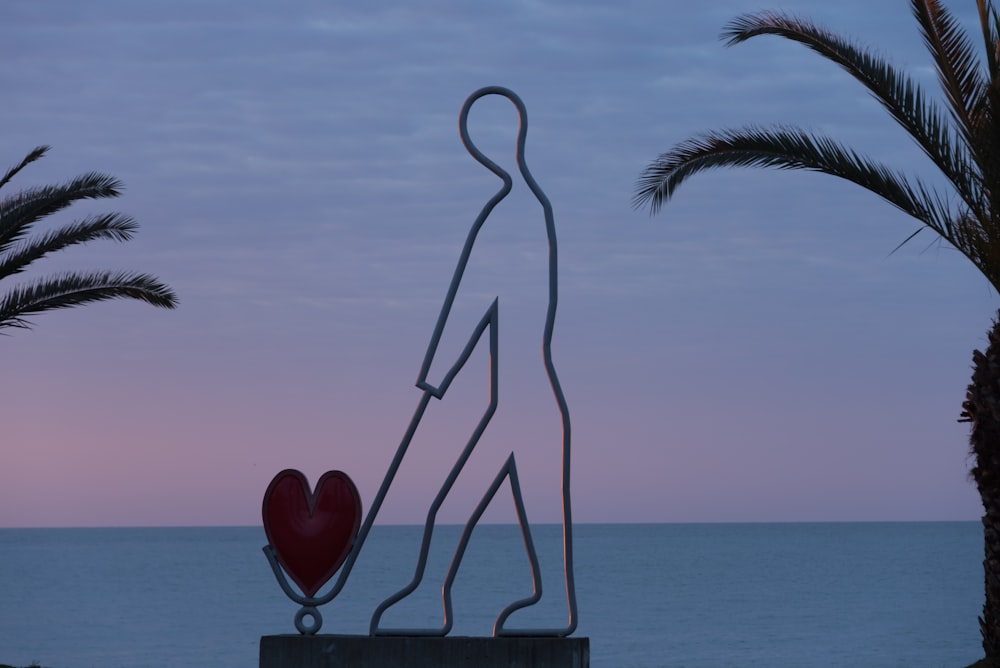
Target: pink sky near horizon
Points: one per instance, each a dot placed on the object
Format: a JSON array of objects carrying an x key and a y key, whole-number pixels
[{"x": 750, "y": 354}]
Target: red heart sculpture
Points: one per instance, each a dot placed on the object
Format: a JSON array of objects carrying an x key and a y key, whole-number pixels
[{"x": 311, "y": 533}]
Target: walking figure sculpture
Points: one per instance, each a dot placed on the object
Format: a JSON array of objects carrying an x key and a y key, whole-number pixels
[{"x": 487, "y": 324}]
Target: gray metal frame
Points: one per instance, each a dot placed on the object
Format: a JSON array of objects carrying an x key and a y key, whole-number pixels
[{"x": 490, "y": 321}]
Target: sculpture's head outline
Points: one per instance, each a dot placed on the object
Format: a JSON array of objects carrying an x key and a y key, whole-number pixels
[{"x": 522, "y": 130}]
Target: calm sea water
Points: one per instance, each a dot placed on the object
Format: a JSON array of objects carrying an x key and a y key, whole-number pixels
[{"x": 650, "y": 596}]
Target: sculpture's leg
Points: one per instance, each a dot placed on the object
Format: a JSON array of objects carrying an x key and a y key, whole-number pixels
[
  {"x": 529, "y": 548},
  {"x": 425, "y": 544},
  {"x": 499, "y": 628},
  {"x": 508, "y": 471}
]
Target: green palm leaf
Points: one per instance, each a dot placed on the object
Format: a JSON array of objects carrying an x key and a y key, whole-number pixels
[
  {"x": 786, "y": 148},
  {"x": 989, "y": 21},
  {"x": 35, "y": 154},
  {"x": 18, "y": 213},
  {"x": 988, "y": 124},
  {"x": 961, "y": 78},
  {"x": 18, "y": 249},
  {"x": 114, "y": 226},
  {"x": 74, "y": 289},
  {"x": 897, "y": 93},
  {"x": 961, "y": 144}
]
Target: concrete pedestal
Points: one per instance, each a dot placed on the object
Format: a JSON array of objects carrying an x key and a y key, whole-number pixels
[{"x": 341, "y": 651}]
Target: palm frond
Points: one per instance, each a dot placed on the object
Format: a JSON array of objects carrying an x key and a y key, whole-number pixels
[
  {"x": 987, "y": 119},
  {"x": 971, "y": 93},
  {"x": 73, "y": 289},
  {"x": 19, "y": 212},
  {"x": 114, "y": 226},
  {"x": 908, "y": 105},
  {"x": 957, "y": 66},
  {"x": 35, "y": 154},
  {"x": 787, "y": 148},
  {"x": 989, "y": 20}
]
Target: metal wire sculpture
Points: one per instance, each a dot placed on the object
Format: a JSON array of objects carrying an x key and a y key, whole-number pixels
[{"x": 508, "y": 471}]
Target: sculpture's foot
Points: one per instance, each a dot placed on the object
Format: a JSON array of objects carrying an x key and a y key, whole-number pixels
[
  {"x": 500, "y": 628},
  {"x": 375, "y": 627}
]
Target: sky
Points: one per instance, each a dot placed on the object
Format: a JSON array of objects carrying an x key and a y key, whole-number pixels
[{"x": 755, "y": 352}]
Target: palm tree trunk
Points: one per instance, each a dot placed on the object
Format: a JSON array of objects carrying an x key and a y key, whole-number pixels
[{"x": 982, "y": 409}]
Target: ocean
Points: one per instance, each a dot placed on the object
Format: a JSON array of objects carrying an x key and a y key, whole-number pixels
[{"x": 650, "y": 595}]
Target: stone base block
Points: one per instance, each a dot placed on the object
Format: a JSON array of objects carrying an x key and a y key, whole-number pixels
[{"x": 343, "y": 651}]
